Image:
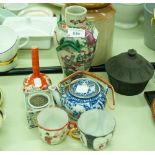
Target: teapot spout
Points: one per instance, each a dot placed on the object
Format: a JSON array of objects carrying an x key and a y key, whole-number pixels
[{"x": 56, "y": 95}]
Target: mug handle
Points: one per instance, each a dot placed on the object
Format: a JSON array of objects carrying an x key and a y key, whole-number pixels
[
  {"x": 111, "y": 106},
  {"x": 73, "y": 131},
  {"x": 26, "y": 40}
]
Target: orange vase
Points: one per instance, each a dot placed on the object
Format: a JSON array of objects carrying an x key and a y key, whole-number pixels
[{"x": 36, "y": 81}]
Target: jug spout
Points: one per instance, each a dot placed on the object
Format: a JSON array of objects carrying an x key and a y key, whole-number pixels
[{"x": 56, "y": 95}]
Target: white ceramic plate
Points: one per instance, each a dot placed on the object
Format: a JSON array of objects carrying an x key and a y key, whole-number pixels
[{"x": 36, "y": 11}]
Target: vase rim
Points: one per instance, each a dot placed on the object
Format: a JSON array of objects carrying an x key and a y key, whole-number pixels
[{"x": 73, "y": 10}]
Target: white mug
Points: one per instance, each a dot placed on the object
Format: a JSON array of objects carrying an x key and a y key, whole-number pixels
[{"x": 10, "y": 43}]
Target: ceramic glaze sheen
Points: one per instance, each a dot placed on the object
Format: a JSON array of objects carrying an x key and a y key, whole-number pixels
[
  {"x": 78, "y": 95},
  {"x": 83, "y": 95},
  {"x": 102, "y": 15},
  {"x": 53, "y": 125},
  {"x": 76, "y": 40},
  {"x": 96, "y": 128},
  {"x": 36, "y": 81}
]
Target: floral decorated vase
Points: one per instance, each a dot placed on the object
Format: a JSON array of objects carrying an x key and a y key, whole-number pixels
[{"x": 76, "y": 39}]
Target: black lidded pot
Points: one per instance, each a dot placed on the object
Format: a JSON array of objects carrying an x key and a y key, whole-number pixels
[{"x": 129, "y": 72}]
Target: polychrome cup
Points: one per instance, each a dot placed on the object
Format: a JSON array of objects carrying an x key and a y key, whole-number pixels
[
  {"x": 53, "y": 125},
  {"x": 95, "y": 128}
]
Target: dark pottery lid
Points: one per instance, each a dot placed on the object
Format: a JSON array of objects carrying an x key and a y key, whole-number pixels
[{"x": 129, "y": 67}]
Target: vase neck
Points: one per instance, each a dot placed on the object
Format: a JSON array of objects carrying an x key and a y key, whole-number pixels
[
  {"x": 35, "y": 62},
  {"x": 75, "y": 16}
]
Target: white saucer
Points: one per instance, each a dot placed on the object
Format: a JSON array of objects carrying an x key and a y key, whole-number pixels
[{"x": 36, "y": 11}]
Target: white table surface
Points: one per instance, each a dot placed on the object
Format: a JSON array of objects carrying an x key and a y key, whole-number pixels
[{"x": 135, "y": 129}]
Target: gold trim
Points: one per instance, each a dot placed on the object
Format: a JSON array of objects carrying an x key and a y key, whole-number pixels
[{"x": 8, "y": 62}]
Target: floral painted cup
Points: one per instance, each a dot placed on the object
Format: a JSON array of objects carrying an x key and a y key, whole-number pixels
[
  {"x": 53, "y": 125},
  {"x": 94, "y": 128}
]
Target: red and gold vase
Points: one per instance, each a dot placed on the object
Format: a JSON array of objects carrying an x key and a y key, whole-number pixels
[{"x": 36, "y": 81}]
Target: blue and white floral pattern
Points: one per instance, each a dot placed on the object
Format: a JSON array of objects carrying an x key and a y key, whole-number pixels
[{"x": 76, "y": 102}]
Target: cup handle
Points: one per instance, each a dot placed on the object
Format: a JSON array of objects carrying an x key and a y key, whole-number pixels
[
  {"x": 74, "y": 133},
  {"x": 73, "y": 130},
  {"x": 70, "y": 123},
  {"x": 26, "y": 40}
]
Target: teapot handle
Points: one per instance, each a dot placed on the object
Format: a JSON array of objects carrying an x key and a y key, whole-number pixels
[{"x": 111, "y": 106}]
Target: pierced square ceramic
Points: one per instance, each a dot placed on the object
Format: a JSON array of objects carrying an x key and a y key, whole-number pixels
[{"x": 34, "y": 103}]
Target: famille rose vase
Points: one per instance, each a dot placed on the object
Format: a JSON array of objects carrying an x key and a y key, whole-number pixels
[
  {"x": 76, "y": 39},
  {"x": 36, "y": 81}
]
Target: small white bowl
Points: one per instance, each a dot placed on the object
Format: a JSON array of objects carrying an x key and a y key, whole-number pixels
[
  {"x": 16, "y": 7},
  {"x": 127, "y": 14}
]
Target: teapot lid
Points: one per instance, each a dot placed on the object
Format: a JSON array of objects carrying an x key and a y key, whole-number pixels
[
  {"x": 84, "y": 88},
  {"x": 129, "y": 67}
]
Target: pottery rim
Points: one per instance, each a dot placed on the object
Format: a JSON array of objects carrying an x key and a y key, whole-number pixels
[
  {"x": 35, "y": 94},
  {"x": 130, "y": 4},
  {"x": 147, "y": 9},
  {"x": 75, "y": 10},
  {"x": 15, "y": 40},
  {"x": 57, "y": 112},
  {"x": 85, "y": 131},
  {"x": 76, "y": 80}
]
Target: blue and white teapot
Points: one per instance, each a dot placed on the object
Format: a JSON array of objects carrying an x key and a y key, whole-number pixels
[{"x": 78, "y": 95}]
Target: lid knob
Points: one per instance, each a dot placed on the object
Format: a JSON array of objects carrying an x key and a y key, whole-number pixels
[{"x": 132, "y": 52}]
